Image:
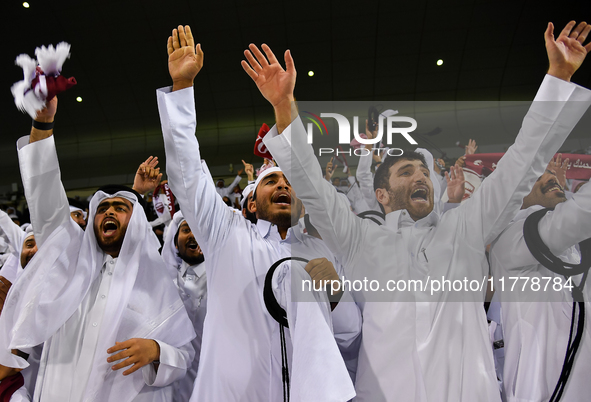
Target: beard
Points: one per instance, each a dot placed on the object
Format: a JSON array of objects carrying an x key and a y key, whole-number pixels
[
  {"x": 283, "y": 219},
  {"x": 400, "y": 199},
  {"x": 192, "y": 260}
]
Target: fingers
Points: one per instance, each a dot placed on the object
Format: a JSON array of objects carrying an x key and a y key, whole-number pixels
[
  {"x": 578, "y": 30},
  {"x": 124, "y": 363},
  {"x": 566, "y": 31},
  {"x": 182, "y": 37},
  {"x": 583, "y": 35},
  {"x": 175, "y": 40},
  {"x": 121, "y": 355},
  {"x": 119, "y": 346},
  {"x": 314, "y": 263},
  {"x": 251, "y": 73},
  {"x": 252, "y": 61},
  {"x": 270, "y": 54},
  {"x": 257, "y": 53},
  {"x": 565, "y": 164},
  {"x": 133, "y": 369},
  {"x": 169, "y": 47},
  {"x": 189, "y": 37},
  {"x": 459, "y": 173}
]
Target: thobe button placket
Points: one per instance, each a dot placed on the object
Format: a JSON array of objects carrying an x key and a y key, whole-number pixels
[
  {"x": 94, "y": 324},
  {"x": 103, "y": 296}
]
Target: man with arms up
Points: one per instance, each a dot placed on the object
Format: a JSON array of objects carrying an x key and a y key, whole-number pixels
[
  {"x": 242, "y": 357},
  {"x": 418, "y": 347},
  {"x": 95, "y": 297},
  {"x": 536, "y": 319}
]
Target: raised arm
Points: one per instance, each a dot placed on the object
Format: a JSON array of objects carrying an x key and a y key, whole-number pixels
[
  {"x": 364, "y": 176},
  {"x": 13, "y": 231},
  {"x": 555, "y": 111},
  {"x": 202, "y": 207},
  {"x": 41, "y": 176},
  {"x": 339, "y": 228}
]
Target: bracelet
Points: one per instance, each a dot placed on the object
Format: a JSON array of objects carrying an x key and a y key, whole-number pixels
[{"x": 42, "y": 126}]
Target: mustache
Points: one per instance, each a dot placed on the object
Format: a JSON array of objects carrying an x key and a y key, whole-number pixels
[{"x": 552, "y": 183}]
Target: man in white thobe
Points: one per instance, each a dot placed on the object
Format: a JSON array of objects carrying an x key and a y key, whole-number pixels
[
  {"x": 417, "y": 346},
  {"x": 227, "y": 191},
  {"x": 241, "y": 355},
  {"x": 536, "y": 320},
  {"x": 184, "y": 257},
  {"x": 94, "y": 297}
]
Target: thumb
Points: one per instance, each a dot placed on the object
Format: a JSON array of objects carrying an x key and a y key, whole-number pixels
[
  {"x": 549, "y": 34},
  {"x": 289, "y": 64}
]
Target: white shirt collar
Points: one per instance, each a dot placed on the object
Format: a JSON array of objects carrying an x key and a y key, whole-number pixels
[
  {"x": 198, "y": 270},
  {"x": 269, "y": 230},
  {"x": 401, "y": 218}
]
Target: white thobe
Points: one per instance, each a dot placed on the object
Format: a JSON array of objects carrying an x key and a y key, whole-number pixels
[
  {"x": 354, "y": 195},
  {"x": 241, "y": 351},
  {"x": 536, "y": 324},
  {"x": 192, "y": 285},
  {"x": 430, "y": 348},
  {"x": 365, "y": 180},
  {"x": 13, "y": 233},
  {"x": 227, "y": 191},
  {"x": 20, "y": 395},
  {"x": 65, "y": 367}
]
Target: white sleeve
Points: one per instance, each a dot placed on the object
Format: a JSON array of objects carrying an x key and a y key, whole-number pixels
[
  {"x": 173, "y": 366},
  {"x": 45, "y": 194},
  {"x": 20, "y": 395},
  {"x": 340, "y": 229},
  {"x": 318, "y": 372},
  {"x": 12, "y": 231},
  {"x": 555, "y": 111},
  {"x": 569, "y": 223},
  {"x": 365, "y": 180},
  {"x": 205, "y": 212},
  {"x": 230, "y": 188}
]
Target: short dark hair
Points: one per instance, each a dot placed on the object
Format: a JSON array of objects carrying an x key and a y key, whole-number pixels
[{"x": 382, "y": 177}]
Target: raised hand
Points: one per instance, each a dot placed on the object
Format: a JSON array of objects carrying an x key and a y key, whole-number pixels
[
  {"x": 559, "y": 167},
  {"x": 471, "y": 147},
  {"x": 47, "y": 114},
  {"x": 275, "y": 83},
  {"x": 184, "y": 58},
  {"x": 330, "y": 167},
  {"x": 566, "y": 54},
  {"x": 455, "y": 184},
  {"x": 249, "y": 170},
  {"x": 148, "y": 176},
  {"x": 137, "y": 351}
]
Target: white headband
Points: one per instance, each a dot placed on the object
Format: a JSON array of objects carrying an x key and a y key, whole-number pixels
[
  {"x": 264, "y": 174},
  {"x": 245, "y": 193}
]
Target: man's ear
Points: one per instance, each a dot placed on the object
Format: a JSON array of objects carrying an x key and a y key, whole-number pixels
[
  {"x": 382, "y": 196},
  {"x": 252, "y": 206}
]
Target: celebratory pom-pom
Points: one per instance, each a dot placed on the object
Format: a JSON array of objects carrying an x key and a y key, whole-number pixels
[{"x": 42, "y": 80}]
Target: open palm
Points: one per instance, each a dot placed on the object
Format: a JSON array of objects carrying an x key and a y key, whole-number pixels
[
  {"x": 275, "y": 83},
  {"x": 184, "y": 58},
  {"x": 566, "y": 54}
]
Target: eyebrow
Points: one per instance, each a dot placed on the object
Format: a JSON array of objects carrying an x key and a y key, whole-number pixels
[
  {"x": 115, "y": 203},
  {"x": 272, "y": 176}
]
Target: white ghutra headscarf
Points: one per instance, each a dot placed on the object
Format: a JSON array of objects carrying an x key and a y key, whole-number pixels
[{"x": 142, "y": 302}]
